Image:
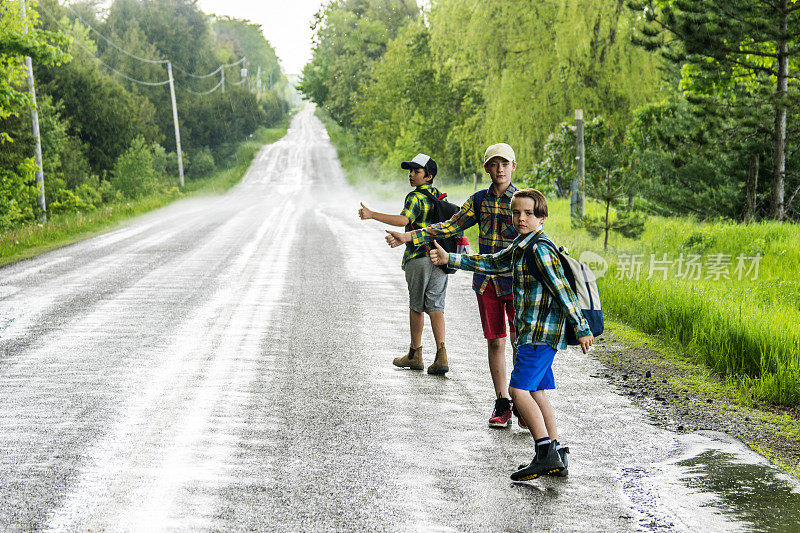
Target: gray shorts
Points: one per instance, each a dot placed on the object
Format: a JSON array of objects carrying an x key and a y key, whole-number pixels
[{"x": 427, "y": 284}]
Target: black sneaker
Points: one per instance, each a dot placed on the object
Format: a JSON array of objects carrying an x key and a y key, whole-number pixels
[
  {"x": 541, "y": 466},
  {"x": 501, "y": 416},
  {"x": 562, "y": 453}
]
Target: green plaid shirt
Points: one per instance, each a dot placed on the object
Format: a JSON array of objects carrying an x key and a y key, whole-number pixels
[
  {"x": 536, "y": 319},
  {"x": 418, "y": 210},
  {"x": 495, "y": 233}
]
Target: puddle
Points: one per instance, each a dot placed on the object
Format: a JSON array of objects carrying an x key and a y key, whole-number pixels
[
  {"x": 756, "y": 493},
  {"x": 737, "y": 489}
]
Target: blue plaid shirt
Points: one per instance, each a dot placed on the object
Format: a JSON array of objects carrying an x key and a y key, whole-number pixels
[{"x": 541, "y": 312}]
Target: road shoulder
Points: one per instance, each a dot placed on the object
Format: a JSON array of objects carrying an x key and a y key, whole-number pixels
[{"x": 682, "y": 395}]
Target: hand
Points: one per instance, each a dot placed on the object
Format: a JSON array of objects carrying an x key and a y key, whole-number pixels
[
  {"x": 364, "y": 213},
  {"x": 396, "y": 238},
  {"x": 586, "y": 342},
  {"x": 438, "y": 255}
]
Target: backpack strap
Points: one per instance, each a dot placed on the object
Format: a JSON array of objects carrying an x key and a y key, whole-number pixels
[
  {"x": 477, "y": 201},
  {"x": 528, "y": 254}
]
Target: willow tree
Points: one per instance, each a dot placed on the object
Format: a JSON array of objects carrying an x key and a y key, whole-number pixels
[{"x": 535, "y": 63}]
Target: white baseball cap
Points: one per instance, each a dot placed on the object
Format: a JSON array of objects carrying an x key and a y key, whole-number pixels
[{"x": 499, "y": 150}]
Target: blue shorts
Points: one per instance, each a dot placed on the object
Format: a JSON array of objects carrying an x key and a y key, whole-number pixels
[{"x": 533, "y": 368}]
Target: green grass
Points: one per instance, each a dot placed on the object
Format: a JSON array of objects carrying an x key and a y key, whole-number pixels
[
  {"x": 747, "y": 330},
  {"x": 61, "y": 230},
  {"x": 744, "y": 329}
]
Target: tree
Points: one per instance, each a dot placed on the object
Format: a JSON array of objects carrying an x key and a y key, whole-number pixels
[
  {"x": 104, "y": 115},
  {"x": 530, "y": 65},
  {"x": 736, "y": 59},
  {"x": 350, "y": 35},
  {"x": 610, "y": 181},
  {"x": 43, "y": 47},
  {"x": 406, "y": 104}
]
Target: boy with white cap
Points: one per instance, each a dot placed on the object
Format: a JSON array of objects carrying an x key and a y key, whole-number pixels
[
  {"x": 491, "y": 210},
  {"x": 427, "y": 284}
]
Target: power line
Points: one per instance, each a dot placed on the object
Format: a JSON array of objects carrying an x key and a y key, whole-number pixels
[
  {"x": 205, "y": 92},
  {"x": 106, "y": 39},
  {"x": 226, "y": 65},
  {"x": 153, "y": 61},
  {"x": 92, "y": 54}
]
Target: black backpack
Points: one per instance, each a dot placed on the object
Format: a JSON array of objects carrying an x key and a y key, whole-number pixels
[{"x": 442, "y": 210}]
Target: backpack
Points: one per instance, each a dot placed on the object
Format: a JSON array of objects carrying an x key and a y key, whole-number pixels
[
  {"x": 581, "y": 280},
  {"x": 442, "y": 211}
]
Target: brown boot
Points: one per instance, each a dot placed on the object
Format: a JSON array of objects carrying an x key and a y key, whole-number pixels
[
  {"x": 412, "y": 360},
  {"x": 439, "y": 366}
]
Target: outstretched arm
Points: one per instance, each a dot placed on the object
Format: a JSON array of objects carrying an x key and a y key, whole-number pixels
[
  {"x": 499, "y": 263},
  {"x": 396, "y": 238},
  {"x": 393, "y": 220},
  {"x": 462, "y": 220}
]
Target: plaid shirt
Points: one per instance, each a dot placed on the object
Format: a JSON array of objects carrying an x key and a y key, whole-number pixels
[
  {"x": 536, "y": 319},
  {"x": 495, "y": 233},
  {"x": 417, "y": 209}
]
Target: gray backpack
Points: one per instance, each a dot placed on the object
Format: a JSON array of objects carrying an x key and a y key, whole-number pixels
[{"x": 581, "y": 280}]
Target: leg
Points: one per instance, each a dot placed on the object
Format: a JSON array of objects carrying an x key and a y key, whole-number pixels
[
  {"x": 417, "y": 322},
  {"x": 437, "y": 324},
  {"x": 547, "y": 412},
  {"x": 530, "y": 411},
  {"x": 497, "y": 366},
  {"x": 434, "y": 305}
]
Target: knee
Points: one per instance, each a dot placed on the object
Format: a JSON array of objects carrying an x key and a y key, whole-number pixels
[
  {"x": 539, "y": 396},
  {"x": 496, "y": 344},
  {"x": 515, "y": 393}
]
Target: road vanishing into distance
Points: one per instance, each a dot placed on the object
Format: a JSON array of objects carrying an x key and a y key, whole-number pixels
[{"x": 224, "y": 364}]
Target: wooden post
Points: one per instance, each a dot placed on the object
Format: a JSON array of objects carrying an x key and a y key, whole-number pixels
[
  {"x": 37, "y": 152},
  {"x": 475, "y": 182},
  {"x": 577, "y": 204},
  {"x": 175, "y": 120}
]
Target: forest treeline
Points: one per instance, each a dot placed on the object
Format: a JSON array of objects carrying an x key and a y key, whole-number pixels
[
  {"x": 105, "y": 118},
  {"x": 691, "y": 106}
]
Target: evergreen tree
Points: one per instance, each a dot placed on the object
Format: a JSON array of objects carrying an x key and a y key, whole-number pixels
[{"x": 739, "y": 63}]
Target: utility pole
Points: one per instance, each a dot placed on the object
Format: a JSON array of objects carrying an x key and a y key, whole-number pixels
[
  {"x": 35, "y": 123},
  {"x": 175, "y": 119},
  {"x": 577, "y": 205},
  {"x": 223, "y": 79},
  {"x": 258, "y": 84}
]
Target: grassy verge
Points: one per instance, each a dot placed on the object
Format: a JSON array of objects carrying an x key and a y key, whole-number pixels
[
  {"x": 737, "y": 308},
  {"x": 683, "y": 394},
  {"x": 64, "y": 229}
]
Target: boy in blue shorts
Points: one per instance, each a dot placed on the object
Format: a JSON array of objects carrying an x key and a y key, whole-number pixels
[
  {"x": 542, "y": 312},
  {"x": 427, "y": 284}
]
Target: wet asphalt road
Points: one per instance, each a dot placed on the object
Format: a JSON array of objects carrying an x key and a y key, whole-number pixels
[{"x": 225, "y": 364}]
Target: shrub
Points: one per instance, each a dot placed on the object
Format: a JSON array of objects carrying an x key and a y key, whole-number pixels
[
  {"x": 17, "y": 195},
  {"x": 134, "y": 172},
  {"x": 201, "y": 163}
]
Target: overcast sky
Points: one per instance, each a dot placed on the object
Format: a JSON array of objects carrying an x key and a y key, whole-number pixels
[{"x": 285, "y": 23}]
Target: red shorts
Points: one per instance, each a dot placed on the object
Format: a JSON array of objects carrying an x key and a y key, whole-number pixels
[{"x": 492, "y": 309}]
